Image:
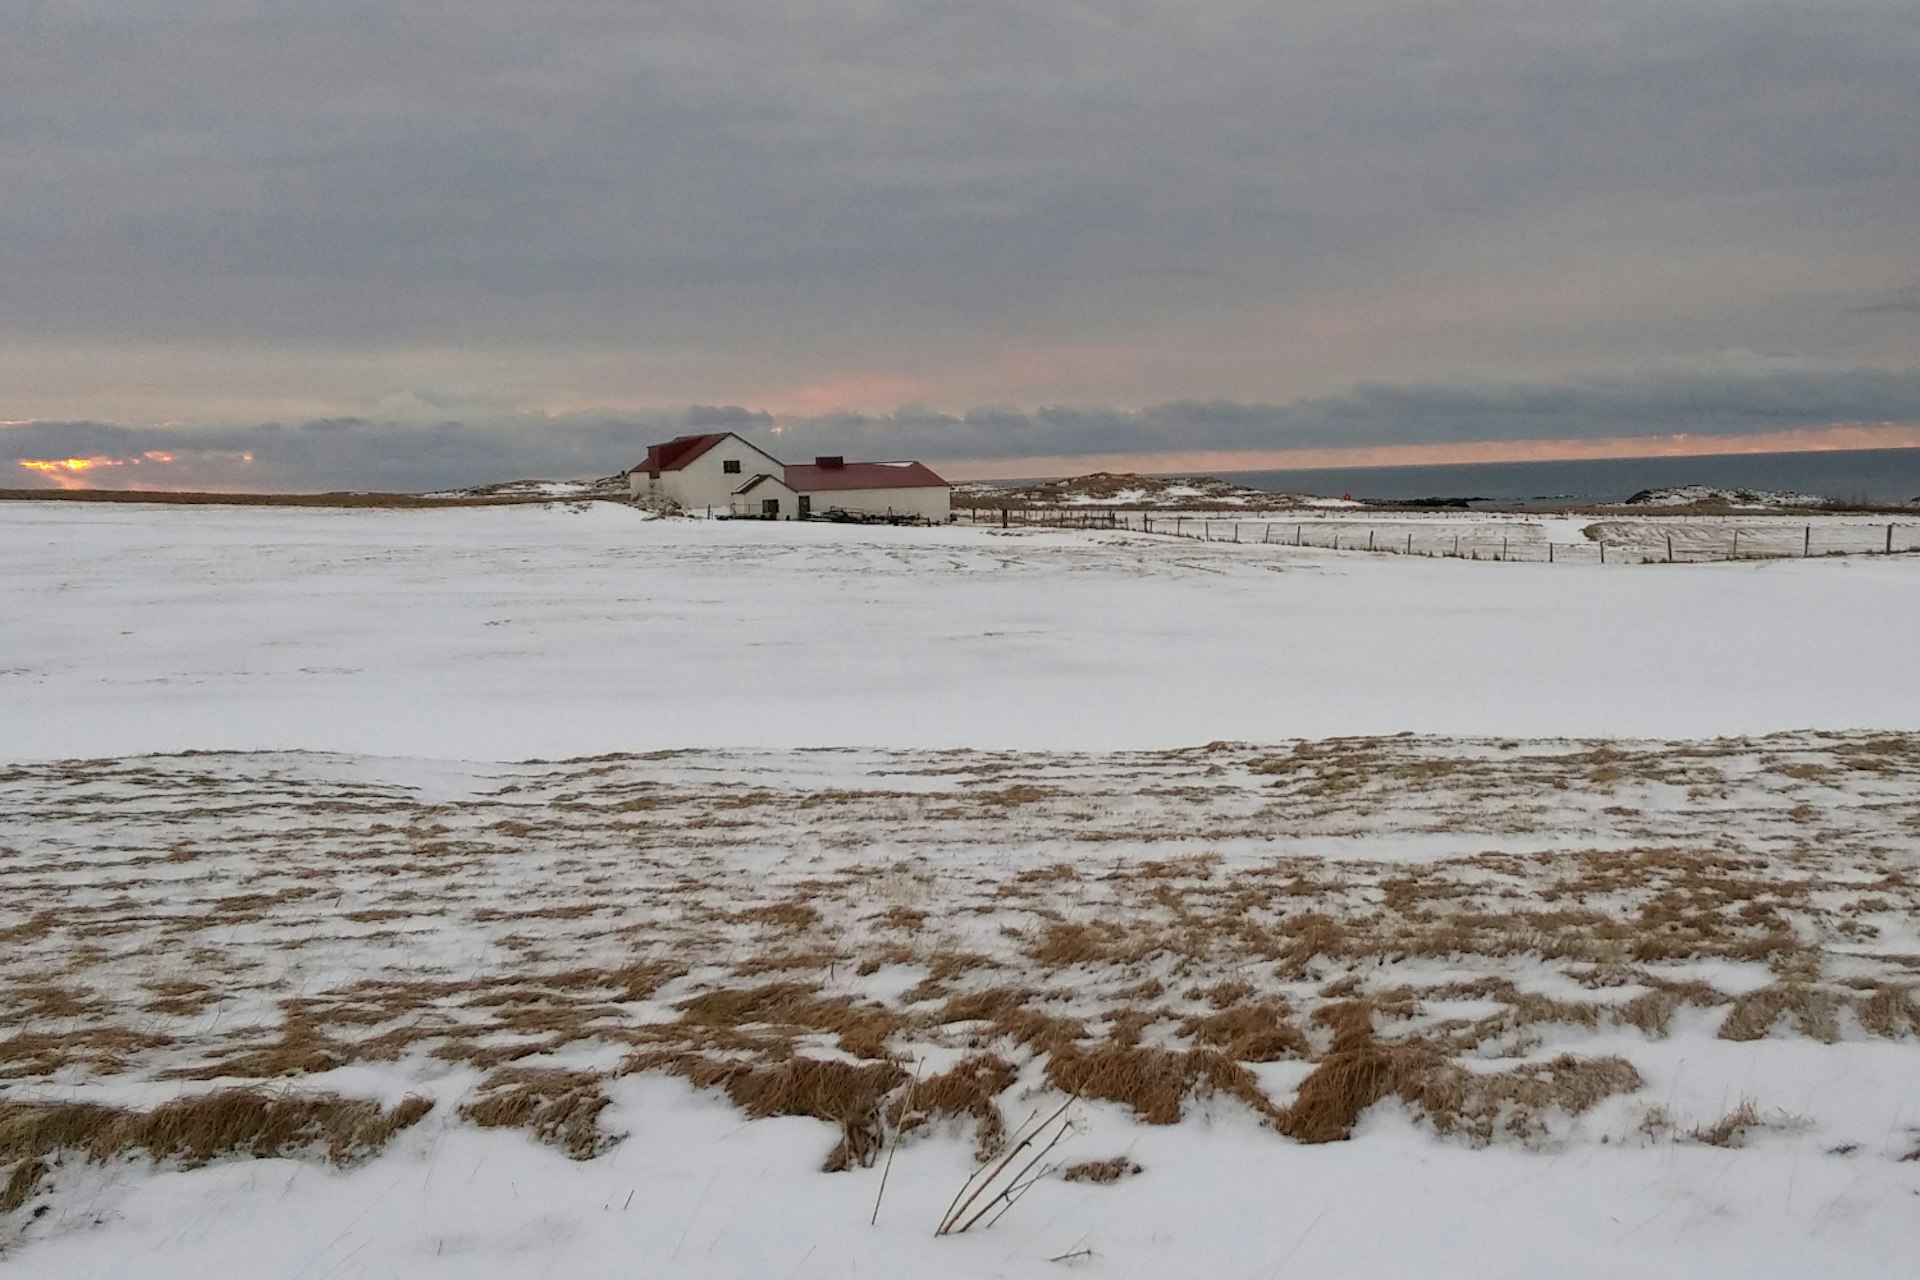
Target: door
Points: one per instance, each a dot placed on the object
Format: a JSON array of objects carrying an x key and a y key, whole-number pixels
[{"x": 806, "y": 505}]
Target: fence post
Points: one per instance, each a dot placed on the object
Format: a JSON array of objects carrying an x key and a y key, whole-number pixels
[
  {"x": 1296, "y": 534},
  {"x": 1236, "y": 531},
  {"x": 1003, "y": 517},
  {"x": 1549, "y": 553},
  {"x": 1369, "y": 539},
  {"x": 1889, "y": 539},
  {"x": 1503, "y": 548},
  {"x": 1409, "y": 544},
  {"x": 1806, "y": 546},
  {"x": 1603, "y": 552},
  {"x": 1669, "y": 548},
  {"x": 1456, "y": 544},
  {"x": 1736, "y": 544}
]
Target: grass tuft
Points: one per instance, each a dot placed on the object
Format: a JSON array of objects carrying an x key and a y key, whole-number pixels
[
  {"x": 559, "y": 1108},
  {"x": 195, "y": 1130}
]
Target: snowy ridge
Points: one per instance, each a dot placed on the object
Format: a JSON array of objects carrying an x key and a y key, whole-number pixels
[
  {"x": 1698, "y": 495},
  {"x": 1104, "y": 489}
]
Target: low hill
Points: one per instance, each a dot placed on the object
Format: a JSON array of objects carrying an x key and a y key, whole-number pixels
[{"x": 1136, "y": 493}]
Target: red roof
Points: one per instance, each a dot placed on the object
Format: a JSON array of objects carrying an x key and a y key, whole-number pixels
[
  {"x": 678, "y": 452},
  {"x": 808, "y": 477}
]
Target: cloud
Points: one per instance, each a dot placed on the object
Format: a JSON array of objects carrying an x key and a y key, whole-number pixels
[
  {"x": 360, "y": 454},
  {"x": 1899, "y": 302},
  {"x": 844, "y": 194}
]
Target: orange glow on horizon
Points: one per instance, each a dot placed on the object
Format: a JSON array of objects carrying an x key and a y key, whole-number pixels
[
  {"x": 71, "y": 465},
  {"x": 68, "y": 473},
  {"x": 73, "y": 473},
  {"x": 1837, "y": 438}
]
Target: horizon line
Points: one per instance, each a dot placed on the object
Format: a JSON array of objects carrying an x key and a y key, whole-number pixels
[{"x": 1837, "y": 438}]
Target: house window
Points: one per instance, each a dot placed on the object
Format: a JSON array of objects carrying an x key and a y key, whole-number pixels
[
  {"x": 731, "y": 466},
  {"x": 769, "y": 507}
]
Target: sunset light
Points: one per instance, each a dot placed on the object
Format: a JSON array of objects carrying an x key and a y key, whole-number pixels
[{"x": 80, "y": 473}]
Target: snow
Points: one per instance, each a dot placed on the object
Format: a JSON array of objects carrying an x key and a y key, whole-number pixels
[
  {"x": 508, "y": 632},
  {"x": 697, "y": 1193},
  {"x": 876, "y": 721},
  {"x": 1692, "y": 494}
]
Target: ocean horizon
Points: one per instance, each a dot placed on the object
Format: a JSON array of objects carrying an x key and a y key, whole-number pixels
[{"x": 1874, "y": 476}]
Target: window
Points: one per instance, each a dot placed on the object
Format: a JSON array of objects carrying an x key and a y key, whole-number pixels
[
  {"x": 731, "y": 466},
  {"x": 769, "y": 507}
]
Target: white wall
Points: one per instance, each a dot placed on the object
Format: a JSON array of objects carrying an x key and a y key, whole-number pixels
[
  {"x": 705, "y": 482},
  {"x": 748, "y": 504},
  {"x": 926, "y": 502}
]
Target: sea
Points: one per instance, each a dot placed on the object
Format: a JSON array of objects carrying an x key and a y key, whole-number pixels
[{"x": 1875, "y": 476}]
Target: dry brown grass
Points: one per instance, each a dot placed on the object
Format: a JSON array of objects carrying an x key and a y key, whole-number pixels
[
  {"x": 840, "y": 1093},
  {"x": 969, "y": 1090},
  {"x": 1100, "y": 1171},
  {"x": 863, "y": 1028},
  {"x": 1736, "y": 1126},
  {"x": 1889, "y": 1010},
  {"x": 1145, "y": 977},
  {"x": 1155, "y": 1082},
  {"x": 1361, "y": 1070},
  {"x": 179, "y": 998},
  {"x": 1356, "y": 1073},
  {"x": 32, "y": 929},
  {"x": 1478, "y": 1105},
  {"x": 1813, "y": 1012},
  {"x": 1063, "y": 943},
  {"x": 1653, "y": 1012},
  {"x": 1259, "y": 1031},
  {"x": 100, "y": 1050},
  {"x": 195, "y": 1130},
  {"x": 559, "y": 1108},
  {"x": 302, "y": 1048}
]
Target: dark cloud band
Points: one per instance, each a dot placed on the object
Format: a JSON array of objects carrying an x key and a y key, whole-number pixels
[{"x": 358, "y": 454}]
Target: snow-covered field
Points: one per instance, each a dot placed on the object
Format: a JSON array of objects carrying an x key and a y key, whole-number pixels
[
  {"x": 908, "y": 834},
  {"x": 507, "y": 632},
  {"x": 1622, "y": 537}
]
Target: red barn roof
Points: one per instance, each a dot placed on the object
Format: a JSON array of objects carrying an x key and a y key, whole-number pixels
[
  {"x": 809, "y": 477},
  {"x": 678, "y": 452}
]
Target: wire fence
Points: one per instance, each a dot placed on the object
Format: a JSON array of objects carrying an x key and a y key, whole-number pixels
[{"x": 1641, "y": 540}]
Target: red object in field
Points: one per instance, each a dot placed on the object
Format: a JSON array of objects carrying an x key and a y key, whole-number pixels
[{"x": 1346, "y": 497}]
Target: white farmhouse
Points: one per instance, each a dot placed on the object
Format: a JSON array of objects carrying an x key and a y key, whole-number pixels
[
  {"x": 700, "y": 473},
  {"x": 723, "y": 474}
]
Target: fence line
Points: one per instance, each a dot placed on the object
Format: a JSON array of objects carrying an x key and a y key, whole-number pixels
[{"x": 1643, "y": 540}]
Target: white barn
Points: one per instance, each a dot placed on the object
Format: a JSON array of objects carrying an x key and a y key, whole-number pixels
[
  {"x": 722, "y": 473},
  {"x": 906, "y": 489}
]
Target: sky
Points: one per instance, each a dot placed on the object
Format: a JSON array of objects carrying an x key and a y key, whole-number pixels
[{"x": 411, "y": 243}]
